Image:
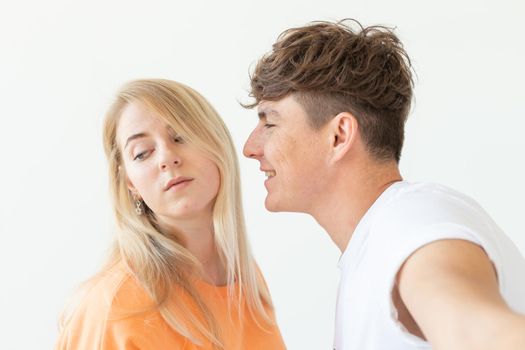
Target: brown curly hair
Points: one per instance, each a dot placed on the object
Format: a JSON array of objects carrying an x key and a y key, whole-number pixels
[{"x": 331, "y": 68}]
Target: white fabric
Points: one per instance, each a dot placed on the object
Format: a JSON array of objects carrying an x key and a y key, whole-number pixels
[{"x": 404, "y": 218}]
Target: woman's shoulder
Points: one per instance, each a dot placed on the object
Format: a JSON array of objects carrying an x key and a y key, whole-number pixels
[
  {"x": 115, "y": 288},
  {"x": 107, "y": 309}
]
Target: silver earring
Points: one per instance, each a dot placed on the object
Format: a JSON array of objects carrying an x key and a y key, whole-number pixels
[{"x": 139, "y": 207}]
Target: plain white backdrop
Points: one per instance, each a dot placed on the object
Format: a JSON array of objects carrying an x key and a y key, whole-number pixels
[{"x": 62, "y": 61}]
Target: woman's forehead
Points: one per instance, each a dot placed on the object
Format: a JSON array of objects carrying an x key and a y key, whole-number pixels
[{"x": 137, "y": 118}]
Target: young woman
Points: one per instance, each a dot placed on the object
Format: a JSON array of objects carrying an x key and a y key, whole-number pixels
[{"x": 180, "y": 274}]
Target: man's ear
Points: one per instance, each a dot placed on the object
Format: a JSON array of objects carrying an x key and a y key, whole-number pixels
[{"x": 343, "y": 134}]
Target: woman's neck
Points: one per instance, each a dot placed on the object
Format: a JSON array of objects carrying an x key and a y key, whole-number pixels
[{"x": 196, "y": 234}]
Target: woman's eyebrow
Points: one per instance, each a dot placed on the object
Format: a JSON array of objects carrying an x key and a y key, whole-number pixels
[{"x": 134, "y": 137}]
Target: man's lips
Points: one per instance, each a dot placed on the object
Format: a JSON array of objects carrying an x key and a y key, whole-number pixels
[
  {"x": 268, "y": 172},
  {"x": 176, "y": 181}
]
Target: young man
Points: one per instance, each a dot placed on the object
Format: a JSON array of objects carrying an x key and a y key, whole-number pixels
[{"x": 422, "y": 265}]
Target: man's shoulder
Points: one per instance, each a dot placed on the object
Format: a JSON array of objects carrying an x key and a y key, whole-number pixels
[
  {"x": 419, "y": 212},
  {"x": 424, "y": 199},
  {"x": 426, "y": 191}
]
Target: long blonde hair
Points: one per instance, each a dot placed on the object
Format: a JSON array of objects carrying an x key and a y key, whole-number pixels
[{"x": 158, "y": 262}]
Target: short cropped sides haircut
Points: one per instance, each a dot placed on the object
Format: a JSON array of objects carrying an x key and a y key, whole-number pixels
[{"x": 331, "y": 68}]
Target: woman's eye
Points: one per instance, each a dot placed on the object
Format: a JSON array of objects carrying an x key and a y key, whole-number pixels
[
  {"x": 178, "y": 139},
  {"x": 141, "y": 155}
]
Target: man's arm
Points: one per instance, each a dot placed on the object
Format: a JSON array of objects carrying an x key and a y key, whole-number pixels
[{"x": 451, "y": 290}]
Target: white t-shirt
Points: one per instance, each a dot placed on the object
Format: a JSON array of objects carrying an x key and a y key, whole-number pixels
[{"x": 404, "y": 218}]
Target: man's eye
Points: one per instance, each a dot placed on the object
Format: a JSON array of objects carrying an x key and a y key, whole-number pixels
[{"x": 268, "y": 125}]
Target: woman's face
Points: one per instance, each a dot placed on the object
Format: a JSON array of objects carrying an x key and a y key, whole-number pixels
[{"x": 175, "y": 180}]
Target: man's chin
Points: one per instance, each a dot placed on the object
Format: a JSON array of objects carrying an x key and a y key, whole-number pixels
[
  {"x": 271, "y": 205},
  {"x": 274, "y": 206}
]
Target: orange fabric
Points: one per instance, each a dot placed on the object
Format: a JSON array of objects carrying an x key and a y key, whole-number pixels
[{"x": 98, "y": 323}]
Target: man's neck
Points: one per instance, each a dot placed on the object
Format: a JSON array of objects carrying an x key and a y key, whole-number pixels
[{"x": 341, "y": 208}]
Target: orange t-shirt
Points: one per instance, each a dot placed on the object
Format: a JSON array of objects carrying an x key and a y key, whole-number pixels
[{"x": 97, "y": 322}]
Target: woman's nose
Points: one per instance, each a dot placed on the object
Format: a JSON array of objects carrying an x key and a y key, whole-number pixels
[{"x": 169, "y": 158}]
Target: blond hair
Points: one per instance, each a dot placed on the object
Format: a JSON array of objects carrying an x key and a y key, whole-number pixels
[{"x": 158, "y": 262}]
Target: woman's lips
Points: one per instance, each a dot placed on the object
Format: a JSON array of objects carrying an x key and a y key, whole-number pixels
[{"x": 177, "y": 183}]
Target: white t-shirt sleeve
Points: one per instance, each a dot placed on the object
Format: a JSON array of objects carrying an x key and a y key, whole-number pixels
[{"x": 411, "y": 223}]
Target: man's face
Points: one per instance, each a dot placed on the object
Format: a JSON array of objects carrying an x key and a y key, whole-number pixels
[{"x": 291, "y": 153}]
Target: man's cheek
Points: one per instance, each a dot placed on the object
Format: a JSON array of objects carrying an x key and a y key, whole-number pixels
[{"x": 283, "y": 159}]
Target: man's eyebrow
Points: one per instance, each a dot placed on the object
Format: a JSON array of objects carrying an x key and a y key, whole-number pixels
[
  {"x": 134, "y": 137},
  {"x": 264, "y": 112}
]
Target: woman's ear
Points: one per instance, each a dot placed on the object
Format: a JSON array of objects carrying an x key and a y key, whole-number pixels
[
  {"x": 129, "y": 184},
  {"x": 132, "y": 190},
  {"x": 343, "y": 133}
]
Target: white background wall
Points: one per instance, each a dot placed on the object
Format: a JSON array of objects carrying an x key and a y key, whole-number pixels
[{"x": 61, "y": 62}]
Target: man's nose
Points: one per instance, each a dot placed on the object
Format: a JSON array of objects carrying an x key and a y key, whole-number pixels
[{"x": 253, "y": 148}]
